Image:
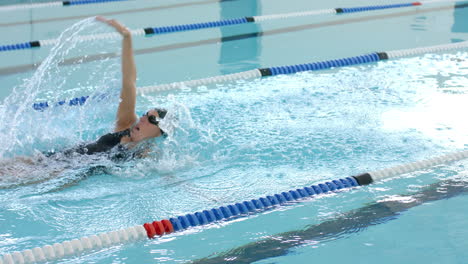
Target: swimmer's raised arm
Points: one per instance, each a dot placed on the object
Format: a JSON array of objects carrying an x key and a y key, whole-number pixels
[{"x": 126, "y": 116}]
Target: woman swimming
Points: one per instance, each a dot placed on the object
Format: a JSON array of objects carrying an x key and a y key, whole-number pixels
[{"x": 129, "y": 130}]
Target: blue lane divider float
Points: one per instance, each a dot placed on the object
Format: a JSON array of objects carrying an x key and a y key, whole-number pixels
[
  {"x": 367, "y": 58},
  {"x": 75, "y": 101},
  {"x": 85, "y": 2},
  {"x": 377, "y": 7},
  {"x": 188, "y": 27},
  {"x": 263, "y": 203},
  {"x": 18, "y": 46},
  {"x": 54, "y": 4},
  {"x": 196, "y": 26}
]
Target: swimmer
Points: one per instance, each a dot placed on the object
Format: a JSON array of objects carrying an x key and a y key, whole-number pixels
[{"x": 129, "y": 129}]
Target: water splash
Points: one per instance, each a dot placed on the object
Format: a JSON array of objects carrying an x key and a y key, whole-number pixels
[
  {"x": 24, "y": 130},
  {"x": 187, "y": 143},
  {"x": 25, "y": 134}
]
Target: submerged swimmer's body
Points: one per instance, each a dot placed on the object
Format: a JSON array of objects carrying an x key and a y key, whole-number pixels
[{"x": 129, "y": 129}]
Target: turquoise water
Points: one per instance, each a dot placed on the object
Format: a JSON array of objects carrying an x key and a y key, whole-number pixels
[{"x": 243, "y": 140}]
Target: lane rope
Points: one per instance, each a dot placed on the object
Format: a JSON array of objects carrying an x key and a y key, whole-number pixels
[
  {"x": 151, "y": 230},
  {"x": 272, "y": 71},
  {"x": 55, "y": 3},
  {"x": 315, "y": 66},
  {"x": 151, "y": 31}
]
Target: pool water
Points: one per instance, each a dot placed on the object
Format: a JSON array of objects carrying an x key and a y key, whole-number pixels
[{"x": 241, "y": 140}]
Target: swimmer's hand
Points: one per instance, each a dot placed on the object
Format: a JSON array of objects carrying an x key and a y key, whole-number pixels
[{"x": 115, "y": 24}]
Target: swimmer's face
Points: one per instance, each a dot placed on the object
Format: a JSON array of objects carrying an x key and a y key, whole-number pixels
[{"x": 146, "y": 127}]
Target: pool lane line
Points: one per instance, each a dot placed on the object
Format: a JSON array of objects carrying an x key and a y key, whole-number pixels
[
  {"x": 315, "y": 66},
  {"x": 55, "y": 3},
  {"x": 126, "y": 11},
  {"x": 246, "y": 208},
  {"x": 151, "y": 31},
  {"x": 346, "y": 223},
  {"x": 95, "y": 57},
  {"x": 273, "y": 71}
]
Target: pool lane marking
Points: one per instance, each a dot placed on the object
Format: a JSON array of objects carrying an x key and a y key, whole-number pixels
[
  {"x": 90, "y": 58},
  {"x": 151, "y": 31},
  {"x": 156, "y": 229},
  {"x": 272, "y": 71},
  {"x": 127, "y": 11}
]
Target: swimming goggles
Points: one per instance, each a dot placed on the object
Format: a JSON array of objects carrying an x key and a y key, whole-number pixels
[{"x": 152, "y": 120}]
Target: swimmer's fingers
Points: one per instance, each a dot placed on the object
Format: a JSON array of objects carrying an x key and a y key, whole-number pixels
[
  {"x": 102, "y": 19},
  {"x": 119, "y": 27},
  {"x": 115, "y": 24}
]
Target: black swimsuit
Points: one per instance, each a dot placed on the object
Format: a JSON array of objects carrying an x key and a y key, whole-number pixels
[
  {"x": 103, "y": 144},
  {"x": 107, "y": 144}
]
